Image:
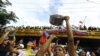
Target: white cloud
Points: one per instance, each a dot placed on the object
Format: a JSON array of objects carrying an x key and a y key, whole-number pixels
[{"x": 37, "y": 12}]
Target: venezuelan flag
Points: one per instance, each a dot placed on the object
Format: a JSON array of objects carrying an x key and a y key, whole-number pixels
[{"x": 43, "y": 37}]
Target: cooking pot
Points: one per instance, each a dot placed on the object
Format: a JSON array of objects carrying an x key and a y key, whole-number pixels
[{"x": 56, "y": 19}]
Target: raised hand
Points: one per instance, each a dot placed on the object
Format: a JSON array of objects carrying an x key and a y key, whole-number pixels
[
  {"x": 53, "y": 36},
  {"x": 66, "y": 18}
]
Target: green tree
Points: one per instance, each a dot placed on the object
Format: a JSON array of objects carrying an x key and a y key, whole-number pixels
[{"x": 6, "y": 16}]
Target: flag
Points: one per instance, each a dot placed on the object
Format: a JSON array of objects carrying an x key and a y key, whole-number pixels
[
  {"x": 46, "y": 34},
  {"x": 43, "y": 37}
]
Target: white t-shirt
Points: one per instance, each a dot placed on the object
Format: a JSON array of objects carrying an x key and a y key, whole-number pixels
[{"x": 21, "y": 52}]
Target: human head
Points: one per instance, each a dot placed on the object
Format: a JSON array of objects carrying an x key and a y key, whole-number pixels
[
  {"x": 82, "y": 53},
  {"x": 93, "y": 54},
  {"x": 5, "y": 41},
  {"x": 30, "y": 44},
  {"x": 21, "y": 41},
  {"x": 59, "y": 51}
]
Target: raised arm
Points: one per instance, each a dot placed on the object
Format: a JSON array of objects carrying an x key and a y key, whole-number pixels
[
  {"x": 45, "y": 46},
  {"x": 77, "y": 43},
  {"x": 71, "y": 48},
  {"x": 2, "y": 38},
  {"x": 14, "y": 39}
]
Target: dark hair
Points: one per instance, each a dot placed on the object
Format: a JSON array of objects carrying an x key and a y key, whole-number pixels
[{"x": 60, "y": 47}]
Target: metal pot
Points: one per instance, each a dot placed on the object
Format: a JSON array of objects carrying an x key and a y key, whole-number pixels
[{"x": 56, "y": 19}]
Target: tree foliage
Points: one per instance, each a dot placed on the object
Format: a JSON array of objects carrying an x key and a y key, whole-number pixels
[{"x": 6, "y": 16}]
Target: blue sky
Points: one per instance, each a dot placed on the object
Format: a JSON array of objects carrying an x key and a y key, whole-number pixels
[{"x": 37, "y": 12}]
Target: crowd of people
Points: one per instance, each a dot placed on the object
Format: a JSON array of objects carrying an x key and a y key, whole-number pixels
[
  {"x": 89, "y": 28},
  {"x": 10, "y": 47},
  {"x": 60, "y": 27}
]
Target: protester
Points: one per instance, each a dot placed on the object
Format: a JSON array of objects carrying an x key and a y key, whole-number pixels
[
  {"x": 21, "y": 44},
  {"x": 58, "y": 50},
  {"x": 5, "y": 43}
]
